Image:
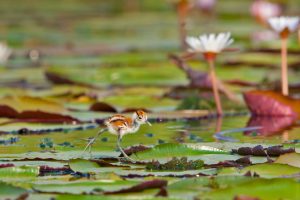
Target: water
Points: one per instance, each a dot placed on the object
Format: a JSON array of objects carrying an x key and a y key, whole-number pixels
[{"x": 273, "y": 130}]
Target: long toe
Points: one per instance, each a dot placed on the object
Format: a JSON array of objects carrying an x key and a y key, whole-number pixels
[{"x": 128, "y": 159}]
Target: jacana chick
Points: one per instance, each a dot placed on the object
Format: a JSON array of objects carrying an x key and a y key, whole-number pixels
[{"x": 121, "y": 125}]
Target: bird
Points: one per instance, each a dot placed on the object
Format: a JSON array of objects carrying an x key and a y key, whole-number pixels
[{"x": 121, "y": 125}]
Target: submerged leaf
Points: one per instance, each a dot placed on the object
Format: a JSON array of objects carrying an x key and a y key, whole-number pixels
[{"x": 176, "y": 165}]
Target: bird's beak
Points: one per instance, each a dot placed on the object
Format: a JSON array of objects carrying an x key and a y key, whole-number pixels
[{"x": 148, "y": 123}]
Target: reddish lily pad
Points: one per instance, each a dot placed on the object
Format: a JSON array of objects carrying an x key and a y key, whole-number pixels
[
  {"x": 60, "y": 80},
  {"x": 33, "y": 109},
  {"x": 270, "y": 103},
  {"x": 142, "y": 186},
  {"x": 34, "y": 116},
  {"x": 102, "y": 107}
]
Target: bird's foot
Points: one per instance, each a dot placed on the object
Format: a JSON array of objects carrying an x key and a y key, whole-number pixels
[
  {"x": 127, "y": 159},
  {"x": 88, "y": 147}
]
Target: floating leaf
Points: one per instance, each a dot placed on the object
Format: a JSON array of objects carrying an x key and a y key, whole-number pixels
[
  {"x": 25, "y": 103},
  {"x": 80, "y": 165},
  {"x": 102, "y": 107},
  {"x": 85, "y": 166},
  {"x": 17, "y": 172},
  {"x": 292, "y": 159},
  {"x": 41, "y": 117},
  {"x": 189, "y": 188},
  {"x": 142, "y": 186},
  {"x": 176, "y": 150},
  {"x": 19, "y": 175},
  {"x": 83, "y": 186},
  {"x": 271, "y": 170},
  {"x": 9, "y": 191},
  {"x": 257, "y": 188},
  {"x": 269, "y": 103},
  {"x": 58, "y": 79}
]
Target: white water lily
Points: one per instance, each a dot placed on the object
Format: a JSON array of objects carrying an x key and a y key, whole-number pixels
[
  {"x": 212, "y": 43},
  {"x": 5, "y": 52},
  {"x": 281, "y": 24}
]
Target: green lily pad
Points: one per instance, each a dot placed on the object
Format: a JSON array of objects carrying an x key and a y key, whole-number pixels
[
  {"x": 9, "y": 191},
  {"x": 17, "y": 172},
  {"x": 175, "y": 150},
  {"x": 265, "y": 189},
  {"x": 80, "y": 165},
  {"x": 21, "y": 176},
  {"x": 292, "y": 159},
  {"x": 271, "y": 170},
  {"x": 83, "y": 186}
]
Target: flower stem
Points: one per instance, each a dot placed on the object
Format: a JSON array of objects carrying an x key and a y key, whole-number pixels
[
  {"x": 284, "y": 67},
  {"x": 215, "y": 86},
  {"x": 182, "y": 9},
  {"x": 285, "y": 136}
]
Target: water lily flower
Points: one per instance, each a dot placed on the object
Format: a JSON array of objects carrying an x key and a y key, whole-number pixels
[
  {"x": 211, "y": 45},
  {"x": 205, "y": 5},
  {"x": 5, "y": 52},
  {"x": 284, "y": 26},
  {"x": 262, "y": 10}
]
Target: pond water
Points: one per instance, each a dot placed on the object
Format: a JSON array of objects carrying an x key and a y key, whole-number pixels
[{"x": 238, "y": 128}]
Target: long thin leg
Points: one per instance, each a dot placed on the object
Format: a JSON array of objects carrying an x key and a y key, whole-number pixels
[
  {"x": 122, "y": 151},
  {"x": 92, "y": 141}
]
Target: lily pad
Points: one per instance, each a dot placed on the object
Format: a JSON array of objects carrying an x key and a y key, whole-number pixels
[
  {"x": 8, "y": 191},
  {"x": 272, "y": 170},
  {"x": 170, "y": 150},
  {"x": 257, "y": 188},
  {"x": 292, "y": 159}
]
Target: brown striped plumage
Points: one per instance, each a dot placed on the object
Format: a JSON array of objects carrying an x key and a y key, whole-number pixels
[{"x": 120, "y": 125}]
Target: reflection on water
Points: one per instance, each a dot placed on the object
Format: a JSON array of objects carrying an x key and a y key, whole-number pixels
[
  {"x": 271, "y": 125},
  {"x": 239, "y": 128},
  {"x": 274, "y": 126},
  {"x": 235, "y": 128}
]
